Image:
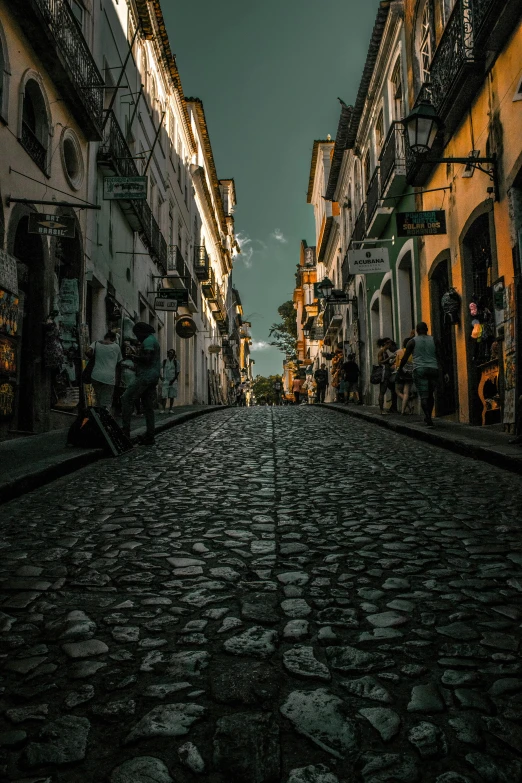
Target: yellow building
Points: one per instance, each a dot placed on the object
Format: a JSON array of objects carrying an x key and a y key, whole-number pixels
[{"x": 464, "y": 62}]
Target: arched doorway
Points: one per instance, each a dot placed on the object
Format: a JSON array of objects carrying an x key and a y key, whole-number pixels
[
  {"x": 405, "y": 294},
  {"x": 443, "y": 330},
  {"x": 28, "y": 250},
  {"x": 387, "y": 329},
  {"x": 479, "y": 307}
]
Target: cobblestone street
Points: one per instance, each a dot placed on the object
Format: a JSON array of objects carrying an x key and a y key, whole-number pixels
[{"x": 268, "y": 594}]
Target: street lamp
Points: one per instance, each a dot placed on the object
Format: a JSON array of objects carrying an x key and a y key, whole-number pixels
[
  {"x": 325, "y": 287},
  {"x": 422, "y": 126},
  {"x": 306, "y": 331}
]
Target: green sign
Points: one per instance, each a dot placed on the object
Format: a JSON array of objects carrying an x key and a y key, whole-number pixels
[
  {"x": 416, "y": 224},
  {"x": 124, "y": 188}
]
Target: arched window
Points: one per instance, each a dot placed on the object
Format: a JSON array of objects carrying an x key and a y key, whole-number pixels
[
  {"x": 35, "y": 124},
  {"x": 397, "y": 91},
  {"x": 425, "y": 43},
  {"x": 4, "y": 76}
]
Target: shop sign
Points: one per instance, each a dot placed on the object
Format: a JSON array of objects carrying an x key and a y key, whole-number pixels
[
  {"x": 416, "y": 224},
  {"x": 186, "y": 327},
  {"x": 368, "y": 262},
  {"x": 52, "y": 225},
  {"x": 166, "y": 305},
  {"x": 127, "y": 188},
  {"x": 8, "y": 272},
  {"x": 180, "y": 295}
]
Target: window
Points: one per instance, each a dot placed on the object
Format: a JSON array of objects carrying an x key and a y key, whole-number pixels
[
  {"x": 379, "y": 130},
  {"x": 397, "y": 93},
  {"x": 78, "y": 11},
  {"x": 447, "y": 8},
  {"x": 34, "y": 132},
  {"x": 367, "y": 165},
  {"x": 4, "y": 76},
  {"x": 72, "y": 159},
  {"x": 425, "y": 45}
]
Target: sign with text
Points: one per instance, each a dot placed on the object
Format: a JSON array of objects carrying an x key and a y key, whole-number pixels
[
  {"x": 416, "y": 224},
  {"x": 129, "y": 188},
  {"x": 52, "y": 225},
  {"x": 166, "y": 304},
  {"x": 179, "y": 294},
  {"x": 368, "y": 262}
]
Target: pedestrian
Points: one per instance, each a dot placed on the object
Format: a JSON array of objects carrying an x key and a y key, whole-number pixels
[
  {"x": 148, "y": 370},
  {"x": 386, "y": 359},
  {"x": 404, "y": 378},
  {"x": 169, "y": 377},
  {"x": 321, "y": 379},
  {"x": 351, "y": 373},
  {"x": 427, "y": 359},
  {"x": 296, "y": 388},
  {"x": 107, "y": 357}
]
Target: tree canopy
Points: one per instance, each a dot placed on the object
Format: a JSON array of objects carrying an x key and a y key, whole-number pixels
[
  {"x": 263, "y": 388},
  {"x": 284, "y": 333}
]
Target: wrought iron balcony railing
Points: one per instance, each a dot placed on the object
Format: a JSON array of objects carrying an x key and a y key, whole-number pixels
[
  {"x": 359, "y": 229},
  {"x": 177, "y": 264},
  {"x": 209, "y": 286},
  {"x": 372, "y": 195},
  {"x": 114, "y": 152},
  {"x": 393, "y": 157},
  {"x": 58, "y": 39},
  {"x": 346, "y": 277},
  {"x": 33, "y": 146},
  {"x": 454, "y": 54},
  {"x": 201, "y": 262}
]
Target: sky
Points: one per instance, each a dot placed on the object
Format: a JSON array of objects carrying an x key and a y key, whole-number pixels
[{"x": 269, "y": 74}]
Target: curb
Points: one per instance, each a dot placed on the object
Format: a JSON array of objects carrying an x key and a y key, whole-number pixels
[
  {"x": 482, "y": 453},
  {"x": 10, "y": 490}
]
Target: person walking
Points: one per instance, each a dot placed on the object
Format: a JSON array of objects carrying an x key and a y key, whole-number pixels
[
  {"x": 169, "y": 377},
  {"x": 427, "y": 359},
  {"x": 296, "y": 388},
  {"x": 321, "y": 379},
  {"x": 107, "y": 357},
  {"x": 386, "y": 359},
  {"x": 404, "y": 378},
  {"x": 351, "y": 373},
  {"x": 148, "y": 370}
]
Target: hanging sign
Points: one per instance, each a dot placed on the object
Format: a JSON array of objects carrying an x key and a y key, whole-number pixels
[
  {"x": 180, "y": 295},
  {"x": 8, "y": 272},
  {"x": 368, "y": 262},
  {"x": 53, "y": 225},
  {"x": 115, "y": 188},
  {"x": 166, "y": 304},
  {"x": 416, "y": 224},
  {"x": 186, "y": 327}
]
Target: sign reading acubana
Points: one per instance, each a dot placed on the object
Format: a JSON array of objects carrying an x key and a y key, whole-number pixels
[{"x": 368, "y": 262}]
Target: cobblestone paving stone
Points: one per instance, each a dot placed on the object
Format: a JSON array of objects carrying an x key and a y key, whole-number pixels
[{"x": 266, "y": 595}]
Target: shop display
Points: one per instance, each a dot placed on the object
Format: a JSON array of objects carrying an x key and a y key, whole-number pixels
[{"x": 450, "y": 304}]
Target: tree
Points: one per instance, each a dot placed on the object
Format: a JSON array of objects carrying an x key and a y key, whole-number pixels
[
  {"x": 284, "y": 333},
  {"x": 264, "y": 388}
]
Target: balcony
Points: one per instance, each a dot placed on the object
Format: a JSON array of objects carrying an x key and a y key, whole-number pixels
[
  {"x": 377, "y": 213},
  {"x": 33, "y": 146},
  {"x": 332, "y": 319},
  {"x": 476, "y": 28},
  {"x": 57, "y": 38},
  {"x": 209, "y": 286},
  {"x": 393, "y": 162},
  {"x": 359, "y": 229},
  {"x": 114, "y": 154},
  {"x": 201, "y": 262},
  {"x": 176, "y": 263}
]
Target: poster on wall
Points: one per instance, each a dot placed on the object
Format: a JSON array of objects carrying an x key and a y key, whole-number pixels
[
  {"x": 510, "y": 370},
  {"x": 8, "y": 272}
]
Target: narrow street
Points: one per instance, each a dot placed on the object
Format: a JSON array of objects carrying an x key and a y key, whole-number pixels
[{"x": 265, "y": 590}]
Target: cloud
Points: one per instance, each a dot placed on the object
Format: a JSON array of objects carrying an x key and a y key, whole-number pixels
[
  {"x": 247, "y": 251},
  {"x": 260, "y": 345},
  {"x": 278, "y": 235}
]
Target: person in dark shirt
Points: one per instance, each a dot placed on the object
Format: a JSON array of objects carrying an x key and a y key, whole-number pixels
[
  {"x": 321, "y": 379},
  {"x": 351, "y": 374}
]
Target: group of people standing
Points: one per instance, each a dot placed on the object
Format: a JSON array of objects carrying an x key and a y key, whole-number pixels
[
  {"x": 412, "y": 368},
  {"x": 130, "y": 379}
]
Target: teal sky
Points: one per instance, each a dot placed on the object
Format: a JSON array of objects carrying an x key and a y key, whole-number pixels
[{"x": 269, "y": 75}]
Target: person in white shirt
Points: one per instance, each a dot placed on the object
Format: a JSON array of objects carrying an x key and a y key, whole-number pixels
[{"x": 107, "y": 357}]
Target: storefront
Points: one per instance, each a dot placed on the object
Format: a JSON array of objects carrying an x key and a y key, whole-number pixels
[{"x": 9, "y": 340}]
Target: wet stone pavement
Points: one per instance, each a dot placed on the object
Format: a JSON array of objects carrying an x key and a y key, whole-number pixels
[{"x": 268, "y": 594}]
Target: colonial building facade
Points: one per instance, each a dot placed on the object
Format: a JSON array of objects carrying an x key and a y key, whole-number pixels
[{"x": 91, "y": 101}]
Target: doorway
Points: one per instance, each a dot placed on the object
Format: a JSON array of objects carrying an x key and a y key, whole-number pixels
[{"x": 442, "y": 330}]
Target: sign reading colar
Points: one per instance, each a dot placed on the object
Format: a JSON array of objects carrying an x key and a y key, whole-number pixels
[
  {"x": 416, "y": 224},
  {"x": 125, "y": 188},
  {"x": 368, "y": 262}
]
